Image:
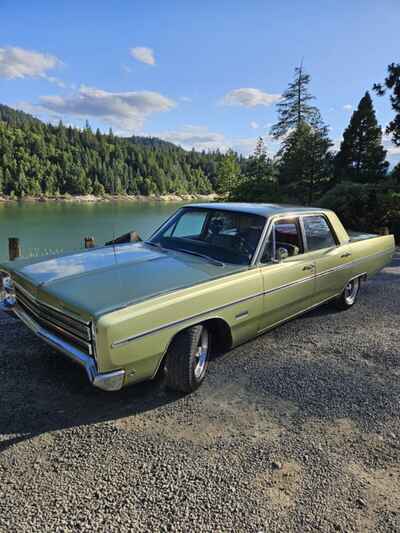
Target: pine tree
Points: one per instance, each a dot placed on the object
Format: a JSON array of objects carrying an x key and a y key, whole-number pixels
[
  {"x": 395, "y": 174},
  {"x": 304, "y": 158},
  {"x": 361, "y": 157},
  {"x": 258, "y": 182},
  {"x": 228, "y": 172},
  {"x": 258, "y": 165},
  {"x": 392, "y": 83},
  {"x": 294, "y": 108},
  {"x": 305, "y": 163}
]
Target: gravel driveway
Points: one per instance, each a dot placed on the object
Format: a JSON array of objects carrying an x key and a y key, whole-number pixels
[{"x": 298, "y": 430}]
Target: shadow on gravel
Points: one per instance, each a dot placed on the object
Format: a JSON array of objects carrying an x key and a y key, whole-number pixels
[{"x": 41, "y": 392}]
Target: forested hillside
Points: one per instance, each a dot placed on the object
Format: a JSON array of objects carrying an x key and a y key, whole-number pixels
[{"x": 38, "y": 158}]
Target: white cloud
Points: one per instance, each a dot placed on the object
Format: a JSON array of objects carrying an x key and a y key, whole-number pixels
[
  {"x": 127, "y": 111},
  {"x": 198, "y": 137},
  {"x": 254, "y": 125},
  {"x": 185, "y": 99},
  {"x": 20, "y": 63},
  {"x": 336, "y": 144},
  {"x": 392, "y": 149},
  {"x": 143, "y": 54},
  {"x": 249, "y": 97},
  {"x": 201, "y": 138},
  {"x": 348, "y": 107}
]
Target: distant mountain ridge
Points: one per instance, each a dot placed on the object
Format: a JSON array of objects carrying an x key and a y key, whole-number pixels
[{"x": 44, "y": 159}]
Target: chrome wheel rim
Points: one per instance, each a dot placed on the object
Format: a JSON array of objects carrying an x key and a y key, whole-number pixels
[
  {"x": 201, "y": 354},
  {"x": 350, "y": 292}
]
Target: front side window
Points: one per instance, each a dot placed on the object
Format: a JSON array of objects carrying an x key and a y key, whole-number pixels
[
  {"x": 284, "y": 240},
  {"x": 226, "y": 236},
  {"x": 318, "y": 233}
]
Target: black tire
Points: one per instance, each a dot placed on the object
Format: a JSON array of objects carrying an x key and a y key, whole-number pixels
[
  {"x": 349, "y": 295},
  {"x": 182, "y": 370}
]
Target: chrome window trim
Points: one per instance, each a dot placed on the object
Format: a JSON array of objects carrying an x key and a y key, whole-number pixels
[
  {"x": 260, "y": 243},
  {"x": 137, "y": 336},
  {"x": 272, "y": 219},
  {"x": 252, "y": 261},
  {"x": 166, "y": 222},
  {"x": 300, "y": 215}
]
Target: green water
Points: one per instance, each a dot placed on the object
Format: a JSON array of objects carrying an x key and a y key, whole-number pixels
[{"x": 51, "y": 227}]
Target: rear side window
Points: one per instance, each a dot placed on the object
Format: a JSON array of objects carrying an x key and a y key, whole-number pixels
[{"x": 318, "y": 233}]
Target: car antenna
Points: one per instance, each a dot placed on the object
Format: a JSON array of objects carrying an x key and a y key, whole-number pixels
[{"x": 114, "y": 250}]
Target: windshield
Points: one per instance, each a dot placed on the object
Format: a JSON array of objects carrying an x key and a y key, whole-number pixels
[{"x": 224, "y": 236}]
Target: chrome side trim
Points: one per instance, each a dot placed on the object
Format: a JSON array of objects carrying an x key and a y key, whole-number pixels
[
  {"x": 132, "y": 338},
  {"x": 109, "y": 381},
  {"x": 352, "y": 263},
  {"x": 261, "y": 331},
  {"x": 182, "y": 320},
  {"x": 203, "y": 313},
  {"x": 291, "y": 284}
]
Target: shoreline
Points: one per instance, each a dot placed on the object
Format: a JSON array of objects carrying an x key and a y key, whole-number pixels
[{"x": 90, "y": 198}]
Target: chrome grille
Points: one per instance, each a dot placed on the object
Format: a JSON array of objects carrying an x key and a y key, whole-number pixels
[{"x": 69, "y": 328}]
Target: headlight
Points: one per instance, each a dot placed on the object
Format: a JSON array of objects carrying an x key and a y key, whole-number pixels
[
  {"x": 8, "y": 284},
  {"x": 10, "y": 300},
  {"x": 7, "y": 294}
]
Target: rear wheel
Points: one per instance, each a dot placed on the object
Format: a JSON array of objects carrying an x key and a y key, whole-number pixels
[
  {"x": 187, "y": 359},
  {"x": 348, "y": 297}
]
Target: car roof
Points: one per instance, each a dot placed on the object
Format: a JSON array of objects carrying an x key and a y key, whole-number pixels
[{"x": 265, "y": 210}]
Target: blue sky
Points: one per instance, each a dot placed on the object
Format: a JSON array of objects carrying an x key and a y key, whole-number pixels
[{"x": 204, "y": 74}]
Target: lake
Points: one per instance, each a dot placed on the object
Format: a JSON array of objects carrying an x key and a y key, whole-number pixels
[{"x": 50, "y": 227}]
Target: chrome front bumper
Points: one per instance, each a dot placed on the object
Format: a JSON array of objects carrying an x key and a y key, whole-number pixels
[{"x": 108, "y": 381}]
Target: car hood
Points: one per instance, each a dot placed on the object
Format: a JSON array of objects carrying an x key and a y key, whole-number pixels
[{"x": 100, "y": 280}]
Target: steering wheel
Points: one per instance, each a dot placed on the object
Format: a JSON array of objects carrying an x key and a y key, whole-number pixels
[{"x": 243, "y": 245}]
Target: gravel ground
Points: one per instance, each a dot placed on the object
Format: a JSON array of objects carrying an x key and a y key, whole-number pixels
[{"x": 298, "y": 430}]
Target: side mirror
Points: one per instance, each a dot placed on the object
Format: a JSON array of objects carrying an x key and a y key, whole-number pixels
[{"x": 281, "y": 254}]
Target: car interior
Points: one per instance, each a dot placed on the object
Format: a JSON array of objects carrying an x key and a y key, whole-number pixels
[{"x": 223, "y": 235}]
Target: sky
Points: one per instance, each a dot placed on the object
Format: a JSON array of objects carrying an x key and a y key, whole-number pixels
[{"x": 204, "y": 74}]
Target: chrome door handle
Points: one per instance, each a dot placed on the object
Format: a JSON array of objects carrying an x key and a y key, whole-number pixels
[
  {"x": 308, "y": 267},
  {"x": 347, "y": 254}
]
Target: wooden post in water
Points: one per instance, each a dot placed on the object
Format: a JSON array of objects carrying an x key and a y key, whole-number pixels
[
  {"x": 14, "y": 248},
  {"x": 89, "y": 242},
  {"x": 132, "y": 236}
]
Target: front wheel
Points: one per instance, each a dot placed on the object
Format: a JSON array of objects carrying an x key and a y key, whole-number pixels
[
  {"x": 348, "y": 297},
  {"x": 187, "y": 359}
]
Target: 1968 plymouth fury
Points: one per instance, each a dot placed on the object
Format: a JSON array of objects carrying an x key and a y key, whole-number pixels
[{"x": 211, "y": 277}]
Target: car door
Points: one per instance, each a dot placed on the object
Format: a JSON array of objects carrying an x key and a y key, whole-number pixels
[
  {"x": 332, "y": 260},
  {"x": 288, "y": 277}
]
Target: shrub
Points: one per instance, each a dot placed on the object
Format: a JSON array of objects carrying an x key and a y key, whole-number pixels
[{"x": 364, "y": 207}]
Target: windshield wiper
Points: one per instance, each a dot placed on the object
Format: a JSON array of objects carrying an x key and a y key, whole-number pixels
[
  {"x": 198, "y": 254},
  {"x": 156, "y": 245}
]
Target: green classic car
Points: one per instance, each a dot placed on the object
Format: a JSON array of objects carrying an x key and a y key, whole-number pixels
[{"x": 211, "y": 277}]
